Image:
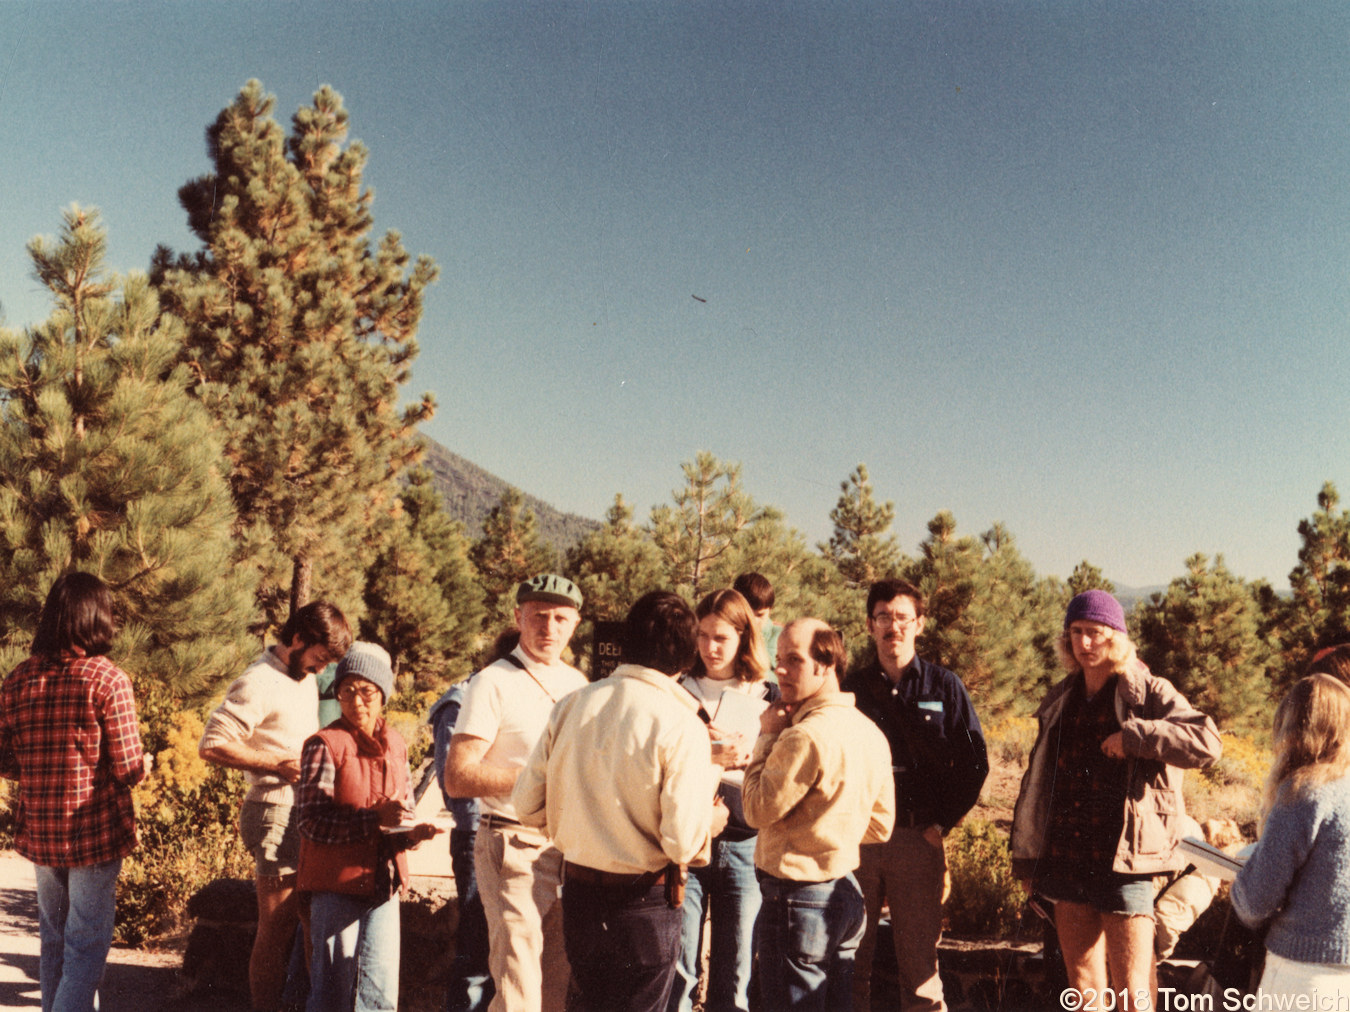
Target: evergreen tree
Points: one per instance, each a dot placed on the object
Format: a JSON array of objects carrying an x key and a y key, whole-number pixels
[
  {"x": 107, "y": 465},
  {"x": 300, "y": 334},
  {"x": 990, "y": 619},
  {"x": 804, "y": 582},
  {"x": 710, "y": 515},
  {"x": 1086, "y": 576},
  {"x": 1318, "y": 612},
  {"x": 509, "y": 551},
  {"x": 860, "y": 548},
  {"x": 1203, "y": 634},
  {"x": 422, "y": 596},
  {"x": 614, "y": 565}
]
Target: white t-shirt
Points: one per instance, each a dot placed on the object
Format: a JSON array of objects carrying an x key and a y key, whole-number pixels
[
  {"x": 510, "y": 708},
  {"x": 265, "y": 708}
]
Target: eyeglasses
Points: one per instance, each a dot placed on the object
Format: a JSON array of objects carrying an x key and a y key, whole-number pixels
[
  {"x": 890, "y": 618},
  {"x": 368, "y": 693}
]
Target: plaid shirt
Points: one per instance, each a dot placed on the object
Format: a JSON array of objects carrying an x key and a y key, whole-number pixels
[
  {"x": 1088, "y": 813},
  {"x": 68, "y": 734}
]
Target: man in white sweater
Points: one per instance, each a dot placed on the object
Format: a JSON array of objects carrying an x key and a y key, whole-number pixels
[{"x": 259, "y": 728}]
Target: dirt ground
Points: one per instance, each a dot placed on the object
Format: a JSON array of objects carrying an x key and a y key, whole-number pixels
[{"x": 136, "y": 981}]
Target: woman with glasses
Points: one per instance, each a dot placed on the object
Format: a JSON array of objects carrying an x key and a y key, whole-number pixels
[
  {"x": 728, "y": 681},
  {"x": 355, "y": 813},
  {"x": 1100, "y": 810}
]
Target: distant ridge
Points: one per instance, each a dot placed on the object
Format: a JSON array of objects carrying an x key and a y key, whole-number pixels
[
  {"x": 470, "y": 493},
  {"x": 1131, "y": 596}
]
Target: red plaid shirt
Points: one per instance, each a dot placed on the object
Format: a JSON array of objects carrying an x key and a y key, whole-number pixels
[{"x": 68, "y": 734}]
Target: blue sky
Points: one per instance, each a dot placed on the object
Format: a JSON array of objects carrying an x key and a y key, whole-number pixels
[{"x": 1077, "y": 267}]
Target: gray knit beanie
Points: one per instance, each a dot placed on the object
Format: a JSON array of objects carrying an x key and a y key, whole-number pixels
[{"x": 369, "y": 661}]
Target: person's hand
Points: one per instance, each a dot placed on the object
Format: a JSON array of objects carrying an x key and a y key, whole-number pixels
[
  {"x": 289, "y": 769},
  {"x": 149, "y": 761},
  {"x": 720, "y": 816},
  {"x": 424, "y": 831},
  {"x": 1114, "y": 746},
  {"x": 390, "y": 812},
  {"x": 773, "y": 719},
  {"x": 728, "y": 749},
  {"x": 933, "y": 834}
]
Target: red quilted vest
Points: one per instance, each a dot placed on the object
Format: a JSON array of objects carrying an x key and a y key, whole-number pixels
[{"x": 363, "y": 778}]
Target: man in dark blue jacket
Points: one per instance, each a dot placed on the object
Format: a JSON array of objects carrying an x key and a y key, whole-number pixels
[{"x": 939, "y": 760}]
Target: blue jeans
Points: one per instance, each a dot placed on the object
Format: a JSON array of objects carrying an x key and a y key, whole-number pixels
[
  {"x": 76, "y": 907},
  {"x": 354, "y": 965},
  {"x": 808, "y": 937},
  {"x": 621, "y": 942},
  {"x": 727, "y": 885},
  {"x": 471, "y": 987}
]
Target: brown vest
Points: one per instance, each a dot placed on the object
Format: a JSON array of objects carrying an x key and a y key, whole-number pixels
[{"x": 363, "y": 777}]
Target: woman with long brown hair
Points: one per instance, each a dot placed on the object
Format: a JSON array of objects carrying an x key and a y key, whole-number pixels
[{"x": 728, "y": 679}]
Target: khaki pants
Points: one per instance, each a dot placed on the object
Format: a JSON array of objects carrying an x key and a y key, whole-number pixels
[
  {"x": 907, "y": 871},
  {"x": 519, "y": 880}
]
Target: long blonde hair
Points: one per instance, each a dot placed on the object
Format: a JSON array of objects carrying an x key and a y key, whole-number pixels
[
  {"x": 1311, "y": 726},
  {"x": 1122, "y": 651},
  {"x": 752, "y": 660}
]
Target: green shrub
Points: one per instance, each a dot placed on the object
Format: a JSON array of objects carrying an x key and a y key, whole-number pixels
[
  {"x": 1009, "y": 740},
  {"x": 985, "y": 899},
  {"x": 186, "y": 813}
]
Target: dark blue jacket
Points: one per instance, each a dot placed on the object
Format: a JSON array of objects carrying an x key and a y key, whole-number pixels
[{"x": 937, "y": 747}]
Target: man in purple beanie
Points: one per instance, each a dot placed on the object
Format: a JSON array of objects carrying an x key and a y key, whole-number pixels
[{"x": 1100, "y": 810}]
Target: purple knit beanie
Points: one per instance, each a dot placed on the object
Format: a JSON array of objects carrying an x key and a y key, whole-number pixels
[{"x": 1096, "y": 606}]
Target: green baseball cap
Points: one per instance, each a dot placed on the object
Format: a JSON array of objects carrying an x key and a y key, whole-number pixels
[{"x": 551, "y": 588}]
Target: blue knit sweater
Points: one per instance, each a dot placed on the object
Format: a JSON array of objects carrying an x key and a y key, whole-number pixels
[{"x": 1298, "y": 877}]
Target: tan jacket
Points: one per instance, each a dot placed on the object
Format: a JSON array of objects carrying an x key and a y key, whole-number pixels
[
  {"x": 622, "y": 778},
  {"x": 1162, "y": 736},
  {"x": 818, "y": 790}
]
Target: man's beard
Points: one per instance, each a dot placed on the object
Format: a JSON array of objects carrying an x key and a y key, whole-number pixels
[{"x": 293, "y": 668}]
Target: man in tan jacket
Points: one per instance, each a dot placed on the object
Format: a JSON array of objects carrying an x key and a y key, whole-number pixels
[{"x": 818, "y": 786}]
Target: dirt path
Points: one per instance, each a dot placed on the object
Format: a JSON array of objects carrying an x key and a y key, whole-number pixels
[{"x": 135, "y": 982}]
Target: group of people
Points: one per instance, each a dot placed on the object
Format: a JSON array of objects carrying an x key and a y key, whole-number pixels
[{"x": 729, "y": 773}]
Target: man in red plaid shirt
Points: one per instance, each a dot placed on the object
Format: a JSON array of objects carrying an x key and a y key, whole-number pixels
[{"x": 68, "y": 734}]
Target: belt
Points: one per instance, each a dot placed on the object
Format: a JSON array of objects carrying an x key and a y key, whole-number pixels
[
  {"x": 499, "y": 822},
  {"x": 594, "y": 876}
]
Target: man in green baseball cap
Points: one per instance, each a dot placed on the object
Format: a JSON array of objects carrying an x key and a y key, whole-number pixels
[{"x": 506, "y": 709}]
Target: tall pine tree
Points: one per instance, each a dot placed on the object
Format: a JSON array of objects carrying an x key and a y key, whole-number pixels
[
  {"x": 107, "y": 465},
  {"x": 301, "y": 332},
  {"x": 861, "y": 548},
  {"x": 1203, "y": 634},
  {"x": 702, "y": 529},
  {"x": 510, "y": 550},
  {"x": 614, "y": 565},
  {"x": 423, "y": 601},
  {"x": 1317, "y": 613}
]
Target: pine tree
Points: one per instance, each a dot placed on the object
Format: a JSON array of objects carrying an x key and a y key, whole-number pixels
[
  {"x": 860, "y": 547},
  {"x": 989, "y": 619},
  {"x": 509, "y": 551},
  {"x": 614, "y": 565},
  {"x": 422, "y": 599},
  {"x": 300, "y": 334},
  {"x": 1203, "y": 634},
  {"x": 1086, "y": 576},
  {"x": 1318, "y": 612},
  {"x": 107, "y": 465},
  {"x": 710, "y": 514}
]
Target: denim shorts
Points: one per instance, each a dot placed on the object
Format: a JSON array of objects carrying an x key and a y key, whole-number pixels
[
  {"x": 270, "y": 833},
  {"x": 1106, "y": 892}
]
